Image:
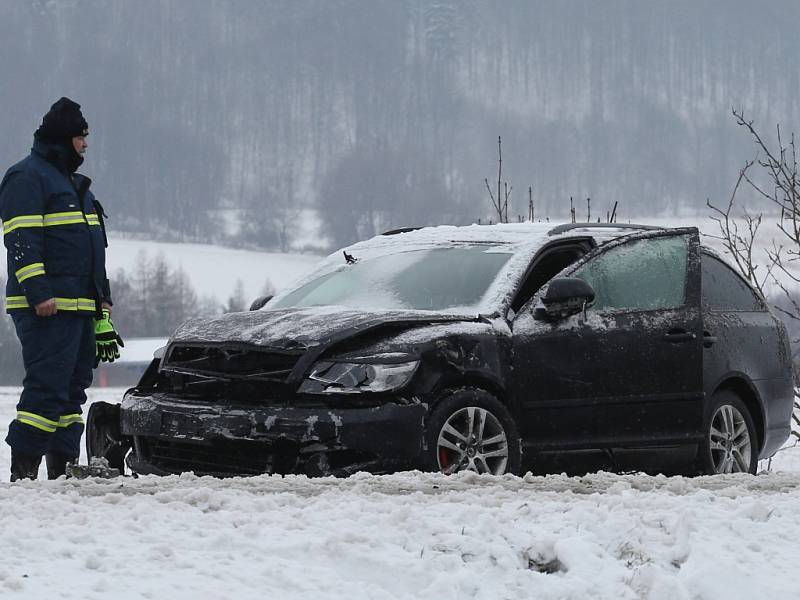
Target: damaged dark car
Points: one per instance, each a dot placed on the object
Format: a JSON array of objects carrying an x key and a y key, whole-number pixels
[{"x": 482, "y": 348}]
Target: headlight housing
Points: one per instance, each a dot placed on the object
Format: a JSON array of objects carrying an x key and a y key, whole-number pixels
[{"x": 334, "y": 377}]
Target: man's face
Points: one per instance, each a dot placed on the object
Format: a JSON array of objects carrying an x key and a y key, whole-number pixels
[{"x": 80, "y": 144}]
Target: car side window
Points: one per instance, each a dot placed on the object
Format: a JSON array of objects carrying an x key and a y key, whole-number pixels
[
  {"x": 723, "y": 289},
  {"x": 647, "y": 274},
  {"x": 549, "y": 264}
]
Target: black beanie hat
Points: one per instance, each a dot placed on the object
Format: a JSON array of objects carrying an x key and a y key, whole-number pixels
[{"x": 62, "y": 122}]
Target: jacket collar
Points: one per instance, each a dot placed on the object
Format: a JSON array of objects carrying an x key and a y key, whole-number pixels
[{"x": 63, "y": 158}]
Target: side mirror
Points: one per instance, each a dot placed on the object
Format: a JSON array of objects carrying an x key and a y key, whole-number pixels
[
  {"x": 259, "y": 302},
  {"x": 564, "y": 297}
]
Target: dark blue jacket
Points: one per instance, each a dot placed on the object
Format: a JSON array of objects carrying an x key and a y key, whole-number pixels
[{"x": 53, "y": 234}]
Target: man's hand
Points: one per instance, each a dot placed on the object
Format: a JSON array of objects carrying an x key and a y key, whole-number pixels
[
  {"x": 46, "y": 308},
  {"x": 107, "y": 306}
]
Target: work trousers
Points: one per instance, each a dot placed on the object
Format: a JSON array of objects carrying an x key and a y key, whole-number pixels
[{"x": 59, "y": 354}]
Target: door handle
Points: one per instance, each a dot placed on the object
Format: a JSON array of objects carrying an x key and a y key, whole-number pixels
[
  {"x": 676, "y": 336},
  {"x": 708, "y": 339}
]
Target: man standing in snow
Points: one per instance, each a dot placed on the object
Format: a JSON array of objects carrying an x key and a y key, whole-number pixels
[{"x": 57, "y": 291}]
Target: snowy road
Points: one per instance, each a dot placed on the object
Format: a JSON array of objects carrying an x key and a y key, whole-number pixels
[{"x": 408, "y": 535}]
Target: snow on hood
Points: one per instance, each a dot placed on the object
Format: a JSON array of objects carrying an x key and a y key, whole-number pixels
[{"x": 295, "y": 328}]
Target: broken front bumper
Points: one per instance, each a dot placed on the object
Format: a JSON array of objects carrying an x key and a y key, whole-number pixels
[{"x": 172, "y": 435}]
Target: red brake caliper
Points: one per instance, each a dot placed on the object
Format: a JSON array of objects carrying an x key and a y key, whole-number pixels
[{"x": 444, "y": 458}]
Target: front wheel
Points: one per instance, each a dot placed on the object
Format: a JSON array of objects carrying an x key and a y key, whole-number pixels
[
  {"x": 730, "y": 442},
  {"x": 470, "y": 430}
]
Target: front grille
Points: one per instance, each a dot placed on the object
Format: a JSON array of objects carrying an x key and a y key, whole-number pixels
[
  {"x": 220, "y": 457},
  {"x": 250, "y": 364}
]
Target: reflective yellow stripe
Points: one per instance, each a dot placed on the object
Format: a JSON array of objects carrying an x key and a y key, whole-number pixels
[
  {"x": 37, "y": 421},
  {"x": 50, "y": 220},
  {"x": 16, "y": 302},
  {"x": 29, "y": 271},
  {"x": 75, "y": 304},
  {"x": 69, "y": 304},
  {"x": 64, "y": 218},
  {"x": 67, "y": 420},
  {"x": 69, "y": 213},
  {"x": 22, "y": 221}
]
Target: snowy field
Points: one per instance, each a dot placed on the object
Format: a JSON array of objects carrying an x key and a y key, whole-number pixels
[{"x": 409, "y": 535}]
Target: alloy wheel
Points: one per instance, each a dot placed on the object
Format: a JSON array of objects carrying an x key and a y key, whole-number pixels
[
  {"x": 729, "y": 441},
  {"x": 472, "y": 439}
]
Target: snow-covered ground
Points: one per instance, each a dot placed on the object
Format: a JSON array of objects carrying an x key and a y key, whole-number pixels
[{"x": 409, "y": 535}]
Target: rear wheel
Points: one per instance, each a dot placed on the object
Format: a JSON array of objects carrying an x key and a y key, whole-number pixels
[
  {"x": 730, "y": 441},
  {"x": 470, "y": 430}
]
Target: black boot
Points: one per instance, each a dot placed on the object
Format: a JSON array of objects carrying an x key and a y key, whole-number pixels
[
  {"x": 24, "y": 466},
  {"x": 57, "y": 464}
]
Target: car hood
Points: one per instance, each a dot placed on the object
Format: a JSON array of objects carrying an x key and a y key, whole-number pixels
[{"x": 299, "y": 328}]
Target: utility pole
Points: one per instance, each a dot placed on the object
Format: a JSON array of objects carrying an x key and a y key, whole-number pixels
[{"x": 530, "y": 204}]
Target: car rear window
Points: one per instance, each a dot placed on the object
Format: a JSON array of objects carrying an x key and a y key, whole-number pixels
[{"x": 724, "y": 290}]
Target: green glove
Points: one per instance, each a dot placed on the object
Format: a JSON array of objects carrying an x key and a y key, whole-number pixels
[{"x": 107, "y": 338}]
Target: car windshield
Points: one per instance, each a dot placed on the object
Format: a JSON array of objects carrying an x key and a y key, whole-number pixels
[{"x": 429, "y": 279}]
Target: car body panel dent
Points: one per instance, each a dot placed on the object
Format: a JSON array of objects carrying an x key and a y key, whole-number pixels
[{"x": 450, "y": 353}]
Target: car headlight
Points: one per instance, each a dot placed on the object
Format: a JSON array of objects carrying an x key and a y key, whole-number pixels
[{"x": 331, "y": 377}]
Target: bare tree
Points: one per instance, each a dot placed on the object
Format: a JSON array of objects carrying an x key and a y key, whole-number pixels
[
  {"x": 499, "y": 203},
  {"x": 739, "y": 242},
  {"x": 775, "y": 180}
]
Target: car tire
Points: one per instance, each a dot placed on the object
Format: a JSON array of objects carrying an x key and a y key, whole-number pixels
[
  {"x": 470, "y": 430},
  {"x": 730, "y": 441}
]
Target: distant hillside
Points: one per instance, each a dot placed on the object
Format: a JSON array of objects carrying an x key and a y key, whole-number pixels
[{"x": 222, "y": 121}]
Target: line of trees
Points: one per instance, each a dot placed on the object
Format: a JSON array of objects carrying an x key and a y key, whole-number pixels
[{"x": 154, "y": 297}]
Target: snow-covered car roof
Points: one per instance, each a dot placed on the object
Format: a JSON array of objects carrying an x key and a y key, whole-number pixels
[{"x": 518, "y": 235}]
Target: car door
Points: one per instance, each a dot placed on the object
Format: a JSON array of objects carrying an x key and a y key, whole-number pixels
[
  {"x": 628, "y": 370},
  {"x": 744, "y": 342}
]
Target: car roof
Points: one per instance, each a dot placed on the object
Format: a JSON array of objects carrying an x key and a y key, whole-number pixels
[{"x": 518, "y": 236}]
